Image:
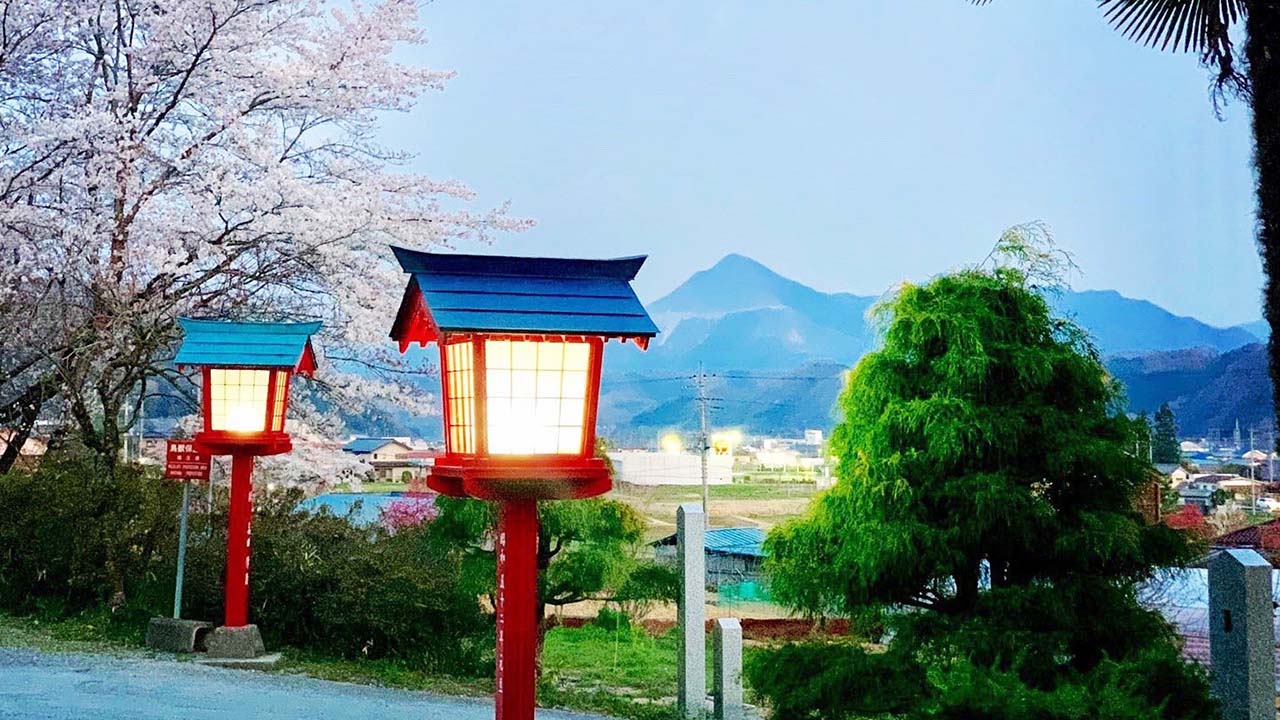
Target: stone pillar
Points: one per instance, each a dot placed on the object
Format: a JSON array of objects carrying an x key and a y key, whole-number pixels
[
  {"x": 1242, "y": 638},
  {"x": 726, "y": 669},
  {"x": 691, "y": 523}
]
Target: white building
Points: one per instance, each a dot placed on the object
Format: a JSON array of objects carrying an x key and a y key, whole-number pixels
[{"x": 641, "y": 467}]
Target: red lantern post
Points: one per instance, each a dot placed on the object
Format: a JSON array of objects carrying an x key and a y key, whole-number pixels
[
  {"x": 521, "y": 349},
  {"x": 246, "y": 368}
]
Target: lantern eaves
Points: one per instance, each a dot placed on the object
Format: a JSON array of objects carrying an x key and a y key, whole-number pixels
[
  {"x": 503, "y": 295},
  {"x": 221, "y": 343}
]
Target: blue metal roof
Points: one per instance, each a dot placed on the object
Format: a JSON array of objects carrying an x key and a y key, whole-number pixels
[
  {"x": 730, "y": 541},
  {"x": 502, "y": 294},
  {"x": 244, "y": 344},
  {"x": 364, "y": 445}
]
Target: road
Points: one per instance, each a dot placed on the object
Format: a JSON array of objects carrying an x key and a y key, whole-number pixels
[{"x": 70, "y": 686}]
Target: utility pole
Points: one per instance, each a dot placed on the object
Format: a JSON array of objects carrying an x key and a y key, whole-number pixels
[
  {"x": 1253, "y": 473},
  {"x": 703, "y": 445}
]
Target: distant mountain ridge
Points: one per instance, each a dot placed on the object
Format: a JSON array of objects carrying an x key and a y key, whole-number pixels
[
  {"x": 1208, "y": 391},
  {"x": 778, "y": 348},
  {"x": 777, "y": 351},
  {"x": 739, "y": 314}
]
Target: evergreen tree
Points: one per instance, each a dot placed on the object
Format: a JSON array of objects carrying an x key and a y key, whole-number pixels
[
  {"x": 1164, "y": 440},
  {"x": 984, "y": 511}
]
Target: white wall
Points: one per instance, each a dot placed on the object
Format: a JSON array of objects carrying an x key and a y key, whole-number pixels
[{"x": 651, "y": 468}]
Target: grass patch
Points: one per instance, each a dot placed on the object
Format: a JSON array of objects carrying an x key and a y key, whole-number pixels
[
  {"x": 625, "y": 673},
  {"x": 374, "y": 487},
  {"x": 734, "y": 491},
  {"x": 86, "y": 632},
  {"x": 384, "y": 672}
]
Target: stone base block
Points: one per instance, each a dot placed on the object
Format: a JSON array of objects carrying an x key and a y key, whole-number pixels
[
  {"x": 234, "y": 643},
  {"x": 176, "y": 636},
  {"x": 262, "y": 662}
]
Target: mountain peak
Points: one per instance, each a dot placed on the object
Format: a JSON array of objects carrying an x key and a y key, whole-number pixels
[
  {"x": 740, "y": 265},
  {"x": 734, "y": 284}
]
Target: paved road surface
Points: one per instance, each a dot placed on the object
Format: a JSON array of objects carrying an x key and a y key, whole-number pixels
[{"x": 36, "y": 685}]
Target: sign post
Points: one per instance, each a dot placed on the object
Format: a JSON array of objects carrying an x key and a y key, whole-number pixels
[{"x": 183, "y": 462}]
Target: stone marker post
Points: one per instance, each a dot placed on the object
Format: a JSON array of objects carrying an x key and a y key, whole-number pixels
[
  {"x": 726, "y": 664},
  {"x": 1242, "y": 638},
  {"x": 691, "y": 523}
]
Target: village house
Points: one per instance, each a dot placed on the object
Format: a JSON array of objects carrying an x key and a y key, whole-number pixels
[{"x": 392, "y": 459}]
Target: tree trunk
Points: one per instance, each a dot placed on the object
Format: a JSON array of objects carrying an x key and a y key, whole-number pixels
[
  {"x": 540, "y": 637},
  {"x": 1262, "y": 49},
  {"x": 23, "y": 413}
]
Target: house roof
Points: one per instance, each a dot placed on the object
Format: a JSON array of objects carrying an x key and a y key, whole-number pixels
[
  {"x": 1264, "y": 536},
  {"x": 364, "y": 445},
  {"x": 453, "y": 293},
  {"x": 247, "y": 344},
  {"x": 748, "y": 541}
]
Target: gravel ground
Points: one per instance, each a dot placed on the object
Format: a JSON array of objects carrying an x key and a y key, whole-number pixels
[{"x": 72, "y": 686}]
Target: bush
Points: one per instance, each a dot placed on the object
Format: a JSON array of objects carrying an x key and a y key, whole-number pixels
[
  {"x": 75, "y": 540},
  {"x": 72, "y": 536}
]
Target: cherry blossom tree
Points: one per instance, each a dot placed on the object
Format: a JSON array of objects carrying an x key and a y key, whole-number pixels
[{"x": 208, "y": 158}]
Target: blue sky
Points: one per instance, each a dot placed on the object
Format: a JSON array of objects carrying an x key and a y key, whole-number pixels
[{"x": 849, "y": 145}]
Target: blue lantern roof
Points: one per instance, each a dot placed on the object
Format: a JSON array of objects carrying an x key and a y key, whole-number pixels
[
  {"x": 451, "y": 293},
  {"x": 247, "y": 344}
]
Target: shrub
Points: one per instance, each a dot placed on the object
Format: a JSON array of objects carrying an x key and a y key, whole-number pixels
[
  {"x": 77, "y": 539},
  {"x": 73, "y": 536}
]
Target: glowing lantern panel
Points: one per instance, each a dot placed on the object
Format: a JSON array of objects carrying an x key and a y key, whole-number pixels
[
  {"x": 460, "y": 380},
  {"x": 238, "y": 400},
  {"x": 536, "y": 396}
]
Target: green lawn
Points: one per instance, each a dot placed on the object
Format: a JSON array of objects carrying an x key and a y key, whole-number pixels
[
  {"x": 735, "y": 491},
  {"x": 375, "y": 487}
]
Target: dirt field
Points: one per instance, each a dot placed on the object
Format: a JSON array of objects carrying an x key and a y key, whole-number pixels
[{"x": 761, "y": 505}]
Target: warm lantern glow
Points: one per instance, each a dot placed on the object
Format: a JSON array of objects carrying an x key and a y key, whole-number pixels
[
  {"x": 536, "y": 396},
  {"x": 238, "y": 400},
  {"x": 460, "y": 377}
]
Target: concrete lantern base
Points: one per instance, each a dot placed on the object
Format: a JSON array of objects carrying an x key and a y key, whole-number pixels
[
  {"x": 177, "y": 636},
  {"x": 234, "y": 643}
]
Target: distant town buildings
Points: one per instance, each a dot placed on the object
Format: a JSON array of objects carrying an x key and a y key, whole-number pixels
[{"x": 643, "y": 467}]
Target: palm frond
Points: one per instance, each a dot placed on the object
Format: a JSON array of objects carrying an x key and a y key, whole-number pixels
[{"x": 1199, "y": 26}]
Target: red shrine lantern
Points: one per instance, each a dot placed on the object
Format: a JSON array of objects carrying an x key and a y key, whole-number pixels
[
  {"x": 521, "y": 347},
  {"x": 245, "y": 368}
]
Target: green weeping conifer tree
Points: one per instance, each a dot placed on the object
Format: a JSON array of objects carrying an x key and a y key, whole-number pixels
[{"x": 983, "y": 513}]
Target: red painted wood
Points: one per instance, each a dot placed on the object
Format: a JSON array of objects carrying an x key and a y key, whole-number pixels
[
  {"x": 205, "y": 399},
  {"x": 222, "y": 442},
  {"x": 239, "y": 538},
  {"x": 269, "y": 425},
  {"x": 479, "y": 391},
  {"x": 529, "y": 477},
  {"x": 517, "y": 604},
  {"x": 284, "y": 411},
  {"x": 445, "y": 397},
  {"x": 593, "y": 398}
]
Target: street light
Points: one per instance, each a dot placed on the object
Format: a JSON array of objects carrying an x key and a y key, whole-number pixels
[
  {"x": 245, "y": 368},
  {"x": 521, "y": 346}
]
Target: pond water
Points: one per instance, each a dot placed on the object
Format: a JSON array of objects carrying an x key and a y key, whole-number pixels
[{"x": 364, "y": 508}]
